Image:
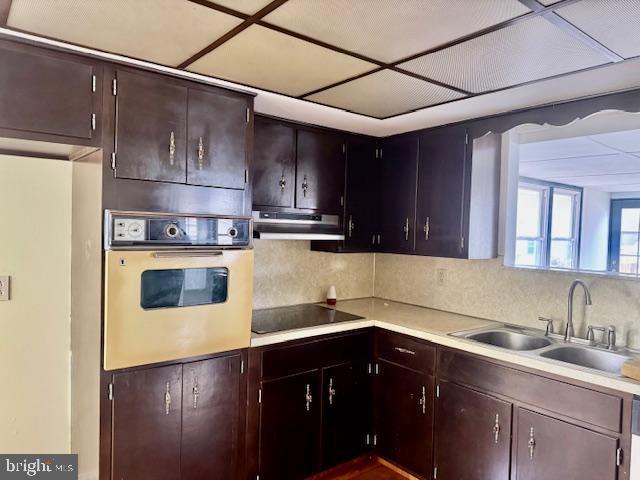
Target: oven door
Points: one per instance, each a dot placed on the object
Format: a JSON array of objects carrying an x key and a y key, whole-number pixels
[{"x": 166, "y": 305}]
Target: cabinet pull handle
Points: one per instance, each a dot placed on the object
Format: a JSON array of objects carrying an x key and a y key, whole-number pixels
[
  {"x": 200, "y": 154},
  {"x": 406, "y": 229},
  {"x": 332, "y": 391},
  {"x": 423, "y": 400},
  {"x": 404, "y": 350},
  {"x": 308, "y": 398},
  {"x": 426, "y": 229},
  {"x": 282, "y": 183},
  {"x": 167, "y": 398},
  {"x": 373, "y": 239},
  {"x": 196, "y": 393},
  {"x": 496, "y": 429},
  {"x": 172, "y": 148},
  {"x": 305, "y": 186},
  {"x": 531, "y": 444},
  {"x": 351, "y": 226}
]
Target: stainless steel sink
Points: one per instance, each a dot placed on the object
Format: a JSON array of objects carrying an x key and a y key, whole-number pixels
[
  {"x": 512, "y": 340},
  {"x": 587, "y": 357}
]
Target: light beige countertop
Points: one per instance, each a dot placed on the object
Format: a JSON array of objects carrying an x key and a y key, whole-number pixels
[{"x": 435, "y": 326}]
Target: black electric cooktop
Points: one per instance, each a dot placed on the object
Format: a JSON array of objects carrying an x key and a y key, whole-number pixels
[{"x": 278, "y": 319}]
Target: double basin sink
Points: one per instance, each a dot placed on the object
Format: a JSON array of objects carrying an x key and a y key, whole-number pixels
[{"x": 531, "y": 343}]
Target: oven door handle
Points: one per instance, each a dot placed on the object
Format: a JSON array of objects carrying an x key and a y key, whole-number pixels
[{"x": 188, "y": 254}]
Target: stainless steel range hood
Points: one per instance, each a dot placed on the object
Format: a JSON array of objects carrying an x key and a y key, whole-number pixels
[{"x": 296, "y": 226}]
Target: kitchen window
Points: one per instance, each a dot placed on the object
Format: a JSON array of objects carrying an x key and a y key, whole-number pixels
[
  {"x": 624, "y": 241},
  {"x": 547, "y": 224}
]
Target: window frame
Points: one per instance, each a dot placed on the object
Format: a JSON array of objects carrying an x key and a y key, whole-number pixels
[{"x": 615, "y": 232}]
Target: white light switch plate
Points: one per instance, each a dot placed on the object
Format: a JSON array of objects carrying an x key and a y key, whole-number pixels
[{"x": 5, "y": 283}]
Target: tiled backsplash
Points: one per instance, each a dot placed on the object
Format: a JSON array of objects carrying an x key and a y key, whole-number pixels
[
  {"x": 288, "y": 273},
  {"x": 487, "y": 289}
]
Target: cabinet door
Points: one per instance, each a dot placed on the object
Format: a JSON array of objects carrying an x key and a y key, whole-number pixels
[
  {"x": 404, "y": 417},
  {"x": 441, "y": 193},
  {"x": 320, "y": 171},
  {"x": 217, "y": 146},
  {"x": 151, "y": 128},
  {"x": 345, "y": 400},
  {"x": 273, "y": 164},
  {"x": 473, "y": 435},
  {"x": 290, "y": 427},
  {"x": 146, "y": 424},
  {"x": 45, "y": 93},
  {"x": 211, "y": 419},
  {"x": 361, "y": 194},
  {"x": 398, "y": 193},
  {"x": 550, "y": 448}
]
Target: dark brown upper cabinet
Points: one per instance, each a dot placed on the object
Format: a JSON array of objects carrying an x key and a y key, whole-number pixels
[
  {"x": 217, "y": 145},
  {"x": 398, "y": 193},
  {"x": 50, "y": 96},
  {"x": 167, "y": 131},
  {"x": 274, "y": 164},
  {"x": 478, "y": 425},
  {"x": 320, "y": 170},
  {"x": 441, "y": 194}
]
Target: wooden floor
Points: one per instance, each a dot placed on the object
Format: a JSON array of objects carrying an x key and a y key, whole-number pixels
[{"x": 363, "y": 469}]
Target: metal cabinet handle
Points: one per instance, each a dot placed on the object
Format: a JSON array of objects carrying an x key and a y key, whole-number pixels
[
  {"x": 167, "y": 398},
  {"x": 282, "y": 183},
  {"x": 305, "y": 186},
  {"x": 404, "y": 350},
  {"x": 531, "y": 444},
  {"x": 423, "y": 400},
  {"x": 332, "y": 391},
  {"x": 200, "y": 154},
  {"x": 350, "y": 226},
  {"x": 196, "y": 392},
  {"x": 406, "y": 229},
  {"x": 172, "y": 148},
  {"x": 308, "y": 398},
  {"x": 496, "y": 429},
  {"x": 426, "y": 229}
]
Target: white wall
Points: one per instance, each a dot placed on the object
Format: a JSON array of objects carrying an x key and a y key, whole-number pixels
[
  {"x": 35, "y": 249},
  {"x": 594, "y": 234}
]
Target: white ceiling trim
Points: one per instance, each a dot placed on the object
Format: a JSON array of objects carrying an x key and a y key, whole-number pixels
[{"x": 607, "y": 79}]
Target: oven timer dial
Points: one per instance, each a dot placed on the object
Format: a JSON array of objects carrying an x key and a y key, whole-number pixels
[
  {"x": 172, "y": 230},
  {"x": 129, "y": 229}
]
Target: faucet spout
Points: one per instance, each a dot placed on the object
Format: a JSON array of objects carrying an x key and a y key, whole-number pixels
[{"x": 568, "y": 332}]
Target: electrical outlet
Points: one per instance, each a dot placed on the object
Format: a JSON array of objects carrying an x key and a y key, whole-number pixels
[
  {"x": 5, "y": 283},
  {"x": 441, "y": 276}
]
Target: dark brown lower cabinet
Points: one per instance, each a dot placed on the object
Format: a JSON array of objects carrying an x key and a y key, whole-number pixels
[
  {"x": 404, "y": 417},
  {"x": 211, "y": 419},
  {"x": 146, "y": 424},
  {"x": 550, "y": 448},
  {"x": 472, "y": 435},
  {"x": 290, "y": 426}
]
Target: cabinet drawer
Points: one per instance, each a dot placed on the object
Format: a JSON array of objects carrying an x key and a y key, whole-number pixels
[
  {"x": 301, "y": 357},
  {"x": 596, "y": 408},
  {"x": 406, "y": 351}
]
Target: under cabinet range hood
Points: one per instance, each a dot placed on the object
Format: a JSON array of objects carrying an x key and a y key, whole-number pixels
[{"x": 268, "y": 225}]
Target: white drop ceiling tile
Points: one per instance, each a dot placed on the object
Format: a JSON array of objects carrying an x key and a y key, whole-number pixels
[
  {"x": 623, "y": 182},
  {"x": 162, "y": 31},
  {"x": 261, "y": 57},
  {"x": 546, "y": 3},
  {"x": 593, "y": 165},
  {"x": 625, "y": 141},
  {"x": 561, "y": 148},
  {"x": 244, "y": 6},
  {"x": 530, "y": 50},
  {"x": 390, "y": 30},
  {"x": 383, "y": 94},
  {"x": 613, "y": 23}
]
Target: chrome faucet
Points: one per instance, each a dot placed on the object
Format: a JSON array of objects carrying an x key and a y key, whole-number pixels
[{"x": 568, "y": 332}]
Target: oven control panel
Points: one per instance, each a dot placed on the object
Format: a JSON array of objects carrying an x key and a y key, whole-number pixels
[{"x": 128, "y": 229}]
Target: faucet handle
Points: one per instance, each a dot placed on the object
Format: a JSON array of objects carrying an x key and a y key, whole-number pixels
[
  {"x": 549, "y": 321},
  {"x": 611, "y": 337},
  {"x": 591, "y": 335}
]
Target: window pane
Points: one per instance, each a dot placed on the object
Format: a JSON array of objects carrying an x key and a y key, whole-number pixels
[
  {"x": 528, "y": 216},
  {"x": 628, "y": 243},
  {"x": 528, "y": 252},
  {"x": 561, "y": 255},
  {"x": 628, "y": 264},
  {"x": 630, "y": 219},
  {"x": 183, "y": 287},
  {"x": 562, "y": 216}
]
